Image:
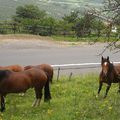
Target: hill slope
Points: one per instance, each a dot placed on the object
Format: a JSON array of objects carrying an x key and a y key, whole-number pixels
[{"x": 54, "y": 8}]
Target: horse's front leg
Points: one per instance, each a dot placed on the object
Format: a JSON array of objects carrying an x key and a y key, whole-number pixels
[
  {"x": 107, "y": 89},
  {"x": 119, "y": 88},
  {"x": 38, "y": 92},
  {"x": 2, "y": 103},
  {"x": 99, "y": 89}
]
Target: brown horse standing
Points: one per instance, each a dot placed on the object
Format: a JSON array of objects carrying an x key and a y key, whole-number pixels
[
  {"x": 17, "y": 82},
  {"x": 15, "y": 68},
  {"x": 109, "y": 74},
  {"x": 48, "y": 69}
]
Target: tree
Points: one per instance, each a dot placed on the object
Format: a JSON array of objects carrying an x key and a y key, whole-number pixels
[
  {"x": 30, "y": 17},
  {"x": 49, "y": 25},
  {"x": 110, "y": 15},
  {"x": 98, "y": 26},
  {"x": 64, "y": 27},
  {"x": 30, "y": 11},
  {"x": 112, "y": 7},
  {"x": 72, "y": 18},
  {"x": 30, "y": 26},
  {"x": 83, "y": 26}
]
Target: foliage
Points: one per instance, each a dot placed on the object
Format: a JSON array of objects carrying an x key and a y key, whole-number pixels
[
  {"x": 30, "y": 19},
  {"x": 31, "y": 25},
  {"x": 98, "y": 26},
  {"x": 64, "y": 28},
  {"x": 49, "y": 24},
  {"x": 72, "y": 17},
  {"x": 56, "y": 8},
  {"x": 112, "y": 7},
  {"x": 29, "y": 12},
  {"x": 73, "y": 99}
]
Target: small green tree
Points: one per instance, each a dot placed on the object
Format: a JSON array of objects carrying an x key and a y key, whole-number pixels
[
  {"x": 49, "y": 24},
  {"x": 83, "y": 25},
  {"x": 30, "y": 26},
  {"x": 72, "y": 18},
  {"x": 65, "y": 28},
  {"x": 29, "y": 11},
  {"x": 30, "y": 17},
  {"x": 98, "y": 26}
]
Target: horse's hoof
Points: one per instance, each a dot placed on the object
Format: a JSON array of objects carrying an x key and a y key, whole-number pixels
[
  {"x": 2, "y": 109},
  {"x": 104, "y": 97},
  {"x": 47, "y": 100},
  {"x": 118, "y": 91},
  {"x": 96, "y": 96}
]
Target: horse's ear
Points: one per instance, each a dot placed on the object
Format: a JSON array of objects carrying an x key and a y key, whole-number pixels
[
  {"x": 107, "y": 58},
  {"x": 102, "y": 58}
]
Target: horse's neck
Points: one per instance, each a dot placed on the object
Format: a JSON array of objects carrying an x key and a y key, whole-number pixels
[
  {"x": 111, "y": 69},
  {"x": 4, "y": 74}
]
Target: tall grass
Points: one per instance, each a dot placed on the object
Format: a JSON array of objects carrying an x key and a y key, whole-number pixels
[
  {"x": 73, "y": 99},
  {"x": 84, "y": 39}
]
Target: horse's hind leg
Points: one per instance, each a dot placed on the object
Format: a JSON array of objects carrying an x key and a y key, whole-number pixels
[
  {"x": 2, "y": 103},
  {"x": 47, "y": 95},
  {"x": 38, "y": 92},
  {"x": 119, "y": 88}
]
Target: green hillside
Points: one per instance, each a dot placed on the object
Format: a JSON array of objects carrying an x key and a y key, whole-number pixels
[{"x": 54, "y": 8}]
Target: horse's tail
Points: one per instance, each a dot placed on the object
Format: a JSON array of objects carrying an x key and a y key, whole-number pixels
[
  {"x": 51, "y": 78},
  {"x": 47, "y": 95}
]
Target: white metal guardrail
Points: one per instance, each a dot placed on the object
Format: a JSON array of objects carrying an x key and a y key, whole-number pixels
[
  {"x": 76, "y": 66},
  {"x": 79, "y": 64}
]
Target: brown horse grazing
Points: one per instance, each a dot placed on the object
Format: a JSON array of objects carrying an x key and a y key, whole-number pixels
[
  {"x": 17, "y": 82},
  {"x": 45, "y": 67},
  {"x": 15, "y": 68},
  {"x": 109, "y": 74}
]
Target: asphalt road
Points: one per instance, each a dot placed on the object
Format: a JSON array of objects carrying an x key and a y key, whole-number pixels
[{"x": 57, "y": 55}]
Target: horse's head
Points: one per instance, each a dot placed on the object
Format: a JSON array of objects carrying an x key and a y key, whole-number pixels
[
  {"x": 105, "y": 63},
  {"x": 3, "y": 74}
]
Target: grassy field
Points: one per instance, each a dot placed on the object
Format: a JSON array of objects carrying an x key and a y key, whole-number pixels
[
  {"x": 57, "y": 38},
  {"x": 73, "y": 99},
  {"x": 84, "y": 39}
]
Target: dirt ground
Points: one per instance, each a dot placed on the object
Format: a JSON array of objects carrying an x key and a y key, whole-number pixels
[{"x": 21, "y": 41}]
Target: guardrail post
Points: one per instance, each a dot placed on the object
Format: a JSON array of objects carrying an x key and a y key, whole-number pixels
[
  {"x": 58, "y": 74},
  {"x": 70, "y": 76}
]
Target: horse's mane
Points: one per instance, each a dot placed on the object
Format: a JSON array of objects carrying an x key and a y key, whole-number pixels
[
  {"x": 111, "y": 67},
  {"x": 4, "y": 74}
]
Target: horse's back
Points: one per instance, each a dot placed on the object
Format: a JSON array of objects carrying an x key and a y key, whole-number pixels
[
  {"x": 37, "y": 76},
  {"x": 117, "y": 68},
  {"x": 28, "y": 67},
  {"x": 16, "y": 82},
  {"x": 46, "y": 67},
  {"x": 15, "y": 68}
]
